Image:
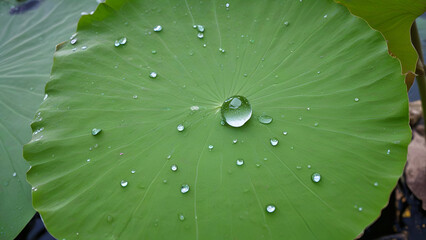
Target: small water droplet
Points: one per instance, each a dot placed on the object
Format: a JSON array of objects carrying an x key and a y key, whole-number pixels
[
  {"x": 180, "y": 127},
  {"x": 204, "y": 45},
  {"x": 236, "y": 111},
  {"x": 325, "y": 16},
  {"x": 316, "y": 124},
  {"x": 270, "y": 208},
  {"x": 298, "y": 167},
  {"x": 153, "y": 52},
  {"x": 73, "y": 36},
  {"x": 165, "y": 181},
  {"x": 221, "y": 50},
  {"x": 200, "y": 35},
  {"x": 120, "y": 41},
  {"x": 88, "y": 160},
  {"x": 133, "y": 171},
  {"x": 84, "y": 48},
  {"x": 195, "y": 108},
  {"x": 309, "y": 166},
  {"x": 174, "y": 167},
  {"x": 45, "y": 97},
  {"x": 14, "y": 174},
  {"x": 240, "y": 162},
  {"x": 234, "y": 141},
  {"x": 388, "y": 152},
  {"x": 265, "y": 119},
  {"x": 251, "y": 40},
  {"x": 227, "y": 5},
  {"x": 181, "y": 217},
  {"x": 73, "y": 41},
  {"x": 376, "y": 184},
  {"x": 356, "y": 99},
  {"x": 274, "y": 142},
  {"x": 211, "y": 147},
  {"x": 184, "y": 188},
  {"x": 34, "y": 189},
  {"x": 286, "y": 23},
  {"x": 316, "y": 177},
  {"x": 360, "y": 209},
  {"x": 153, "y": 75},
  {"x": 123, "y": 183},
  {"x": 285, "y": 133},
  {"x": 96, "y": 131},
  {"x": 135, "y": 96},
  {"x": 109, "y": 218},
  {"x": 258, "y": 165},
  {"x": 158, "y": 28}
]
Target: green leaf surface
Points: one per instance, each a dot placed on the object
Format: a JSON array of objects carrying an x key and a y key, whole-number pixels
[
  {"x": 27, "y": 42},
  {"x": 393, "y": 18},
  {"x": 337, "y": 100}
]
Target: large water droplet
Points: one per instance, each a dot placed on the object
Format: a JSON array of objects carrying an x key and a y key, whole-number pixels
[
  {"x": 184, "y": 188},
  {"x": 270, "y": 208},
  {"x": 236, "y": 111},
  {"x": 96, "y": 131},
  {"x": 240, "y": 162},
  {"x": 265, "y": 119},
  {"x": 174, "y": 167},
  {"x": 124, "y": 183},
  {"x": 180, "y": 127},
  {"x": 274, "y": 142},
  {"x": 158, "y": 28},
  {"x": 316, "y": 177}
]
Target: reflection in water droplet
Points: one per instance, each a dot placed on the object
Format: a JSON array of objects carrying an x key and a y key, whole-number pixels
[
  {"x": 236, "y": 111},
  {"x": 158, "y": 28},
  {"x": 270, "y": 208},
  {"x": 174, "y": 167},
  {"x": 316, "y": 177},
  {"x": 153, "y": 75},
  {"x": 184, "y": 188},
  {"x": 240, "y": 162},
  {"x": 123, "y": 183},
  {"x": 265, "y": 119},
  {"x": 274, "y": 142},
  {"x": 180, "y": 127},
  {"x": 96, "y": 131}
]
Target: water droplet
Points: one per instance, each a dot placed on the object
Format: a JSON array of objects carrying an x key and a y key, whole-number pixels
[
  {"x": 308, "y": 108},
  {"x": 135, "y": 96},
  {"x": 158, "y": 28},
  {"x": 73, "y": 36},
  {"x": 360, "y": 209},
  {"x": 298, "y": 167},
  {"x": 236, "y": 111},
  {"x": 221, "y": 50},
  {"x": 309, "y": 166},
  {"x": 181, "y": 217},
  {"x": 165, "y": 181},
  {"x": 316, "y": 124},
  {"x": 123, "y": 183},
  {"x": 34, "y": 189},
  {"x": 286, "y": 23},
  {"x": 88, "y": 160},
  {"x": 180, "y": 127},
  {"x": 325, "y": 16},
  {"x": 251, "y": 40},
  {"x": 14, "y": 174},
  {"x": 84, "y": 48},
  {"x": 96, "y": 131},
  {"x": 316, "y": 177},
  {"x": 234, "y": 141},
  {"x": 376, "y": 184},
  {"x": 200, "y": 35},
  {"x": 388, "y": 152},
  {"x": 45, "y": 97},
  {"x": 204, "y": 45},
  {"x": 265, "y": 119},
  {"x": 227, "y": 5},
  {"x": 153, "y": 75},
  {"x": 174, "y": 167},
  {"x": 240, "y": 162},
  {"x": 195, "y": 108},
  {"x": 120, "y": 41},
  {"x": 356, "y": 99},
  {"x": 211, "y": 147},
  {"x": 73, "y": 41},
  {"x": 274, "y": 142},
  {"x": 133, "y": 171},
  {"x": 200, "y": 28},
  {"x": 153, "y": 52},
  {"x": 270, "y": 208},
  {"x": 285, "y": 133},
  {"x": 109, "y": 218},
  {"x": 184, "y": 188}
]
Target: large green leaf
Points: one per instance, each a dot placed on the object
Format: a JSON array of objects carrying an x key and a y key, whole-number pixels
[
  {"x": 323, "y": 75},
  {"x": 28, "y": 35},
  {"x": 393, "y": 18}
]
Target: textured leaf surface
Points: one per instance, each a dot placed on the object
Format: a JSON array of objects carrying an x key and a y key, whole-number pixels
[
  {"x": 27, "y": 42},
  {"x": 393, "y": 19},
  {"x": 325, "y": 77}
]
